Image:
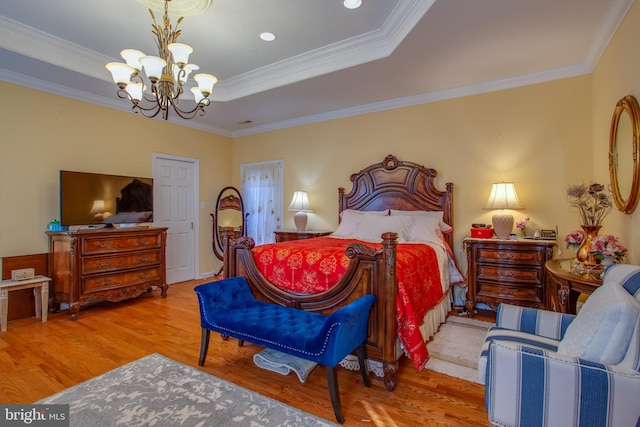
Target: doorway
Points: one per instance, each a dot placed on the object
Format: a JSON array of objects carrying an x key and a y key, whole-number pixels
[{"x": 175, "y": 188}]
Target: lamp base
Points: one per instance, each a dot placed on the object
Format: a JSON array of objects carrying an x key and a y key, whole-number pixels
[
  {"x": 300, "y": 219},
  {"x": 502, "y": 225}
]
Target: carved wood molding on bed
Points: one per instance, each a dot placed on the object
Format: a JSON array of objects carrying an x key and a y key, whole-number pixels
[{"x": 390, "y": 184}]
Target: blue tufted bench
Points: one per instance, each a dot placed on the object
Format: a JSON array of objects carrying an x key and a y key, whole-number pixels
[{"x": 228, "y": 307}]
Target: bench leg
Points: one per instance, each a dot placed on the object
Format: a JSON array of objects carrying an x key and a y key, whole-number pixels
[
  {"x": 332, "y": 381},
  {"x": 361, "y": 351},
  {"x": 204, "y": 346}
]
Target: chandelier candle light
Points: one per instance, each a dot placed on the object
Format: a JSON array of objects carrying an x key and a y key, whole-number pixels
[
  {"x": 300, "y": 203},
  {"x": 167, "y": 74},
  {"x": 503, "y": 196}
]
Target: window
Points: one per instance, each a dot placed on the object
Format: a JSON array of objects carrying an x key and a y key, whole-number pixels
[{"x": 262, "y": 190}]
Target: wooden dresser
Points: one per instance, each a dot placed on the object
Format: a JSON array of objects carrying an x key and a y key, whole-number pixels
[
  {"x": 510, "y": 271},
  {"x": 108, "y": 265}
]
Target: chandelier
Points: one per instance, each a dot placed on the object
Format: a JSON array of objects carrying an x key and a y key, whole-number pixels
[{"x": 167, "y": 74}]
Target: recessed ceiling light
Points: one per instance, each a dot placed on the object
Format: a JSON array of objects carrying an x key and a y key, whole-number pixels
[
  {"x": 268, "y": 37},
  {"x": 352, "y": 4}
]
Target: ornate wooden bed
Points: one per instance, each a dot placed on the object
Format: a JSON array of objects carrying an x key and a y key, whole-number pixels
[{"x": 390, "y": 184}]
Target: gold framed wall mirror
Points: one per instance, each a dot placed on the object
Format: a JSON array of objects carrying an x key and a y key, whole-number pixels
[
  {"x": 624, "y": 168},
  {"x": 228, "y": 219}
]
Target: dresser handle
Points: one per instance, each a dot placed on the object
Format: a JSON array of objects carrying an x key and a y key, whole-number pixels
[
  {"x": 508, "y": 291},
  {"x": 143, "y": 259},
  {"x": 142, "y": 275},
  {"x": 107, "y": 263},
  {"x": 509, "y": 255},
  {"x": 104, "y": 282},
  {"x": 143, "y": 241},
  {"x": 104, "y": 245},
  {"x": 506, "y": 273}
]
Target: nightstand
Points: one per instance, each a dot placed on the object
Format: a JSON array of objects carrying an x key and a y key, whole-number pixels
[
  {"x": 510, "y": 271},
  {"x": 287, "y": 236}
]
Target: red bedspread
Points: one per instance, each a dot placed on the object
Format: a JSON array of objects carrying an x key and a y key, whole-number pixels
[{"x": 315, "y": 265}]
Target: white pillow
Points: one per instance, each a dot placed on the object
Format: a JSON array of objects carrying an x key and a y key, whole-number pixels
[
  {"x": 348, "y": 224},
  {"x": 444, "y": 227},
  {"x": 603, "y": 328},
  {"x": 422, "y": 229},
  {"x": 369, "y": 228}
]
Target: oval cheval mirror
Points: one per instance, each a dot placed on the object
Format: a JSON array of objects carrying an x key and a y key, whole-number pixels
[
  {"x": 624, "y": 168},
  {"x": 228, "y": 220}
]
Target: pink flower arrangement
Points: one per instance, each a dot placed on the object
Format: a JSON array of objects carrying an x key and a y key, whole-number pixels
[
  {"x": 522, "y": 224},
  {"x": 574, "y": 239},
  {"x": 607, "y": 246}
]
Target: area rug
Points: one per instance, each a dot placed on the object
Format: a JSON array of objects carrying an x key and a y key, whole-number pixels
[
  {"x": 157, "y": 391},
  {"x": 455, "y": 349}
]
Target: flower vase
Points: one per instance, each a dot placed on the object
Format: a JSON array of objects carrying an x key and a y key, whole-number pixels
[
  {"x": 608, "y": 260},
  {"x": 583, "y": 255}
]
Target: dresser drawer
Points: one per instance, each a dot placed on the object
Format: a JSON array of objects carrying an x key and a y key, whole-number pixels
[
  {"x": 508, "y": 274},
  {"x": 102, "y": 264},
  {"x": 511, "y": 256},
  {"x": 120, "y": 280},
  {"x": 104, "y": 245},
  {"x": 504, "y": 292}
]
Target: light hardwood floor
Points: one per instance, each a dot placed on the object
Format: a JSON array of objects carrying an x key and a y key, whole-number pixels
[{"x": 38, "y": 359}]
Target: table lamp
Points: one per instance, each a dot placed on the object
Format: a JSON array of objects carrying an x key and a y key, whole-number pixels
[
  {"x": 503, "y": 196},
  {"x": 300, "y": 203}
]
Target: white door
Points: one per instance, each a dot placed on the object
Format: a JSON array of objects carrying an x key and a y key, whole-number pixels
[{"x": 175, "y": 188}]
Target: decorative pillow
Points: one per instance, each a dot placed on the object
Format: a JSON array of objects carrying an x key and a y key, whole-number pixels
[
  {"x": 444, "y": 227},
  {"x": 603, "y": 328}
]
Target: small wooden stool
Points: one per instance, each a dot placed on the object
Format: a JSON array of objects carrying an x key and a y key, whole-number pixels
[{"x": 42, "y": 300}]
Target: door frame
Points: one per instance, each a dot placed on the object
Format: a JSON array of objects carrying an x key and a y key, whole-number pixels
[{"x": 196, "y": 211}]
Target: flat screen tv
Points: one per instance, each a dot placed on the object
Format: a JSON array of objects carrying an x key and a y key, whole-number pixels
[{"x": 92, "y": 199}]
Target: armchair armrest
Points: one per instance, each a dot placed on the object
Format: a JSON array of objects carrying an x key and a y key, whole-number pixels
[
  {"x": 532, "y": 386},
  {"x": 535, "y": 321}
]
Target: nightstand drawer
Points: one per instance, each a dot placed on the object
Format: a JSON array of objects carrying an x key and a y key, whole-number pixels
[
  {"x": 510, "y": 256},
  {"x": 508, "y": 274},
  {"x": 511, "y": 294}
]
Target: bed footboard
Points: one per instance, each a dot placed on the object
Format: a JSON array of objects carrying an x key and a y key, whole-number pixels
[{"x": 370, "y": 271}]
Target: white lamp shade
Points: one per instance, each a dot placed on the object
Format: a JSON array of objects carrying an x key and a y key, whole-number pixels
[
  {"x": 197, "y": 95},
  {"x": 153, "y": 66},
  {"x": 300, "y": 202},
  {"x": 121, "y": 73},
  {"x": 98, "y": 206},
  {"x": 205, "y": 83},
  {"x": 503, "y": 196},
  {"x": 180, "y": 52},
  {"x": 132, "y": 57},
  {"x": 134, "y": 89}
]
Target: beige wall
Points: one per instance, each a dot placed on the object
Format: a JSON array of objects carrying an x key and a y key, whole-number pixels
[
  {"x": 42, "y": 133},
  {"x": 537, "y": 136},
  {"x": 617, "y": 75}
]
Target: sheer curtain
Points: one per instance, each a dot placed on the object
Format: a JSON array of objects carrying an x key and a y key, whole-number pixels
[{"x": 262, "y": 195}]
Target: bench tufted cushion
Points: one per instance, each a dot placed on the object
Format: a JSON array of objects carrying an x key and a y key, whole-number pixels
[{"x": 228, "y": 306}]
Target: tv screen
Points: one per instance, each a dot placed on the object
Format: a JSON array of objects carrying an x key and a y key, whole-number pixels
[{"x": 92, "y": 199}]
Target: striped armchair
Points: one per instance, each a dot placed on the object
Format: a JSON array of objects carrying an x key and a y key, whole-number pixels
[{"x": 542, "y": 368}]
